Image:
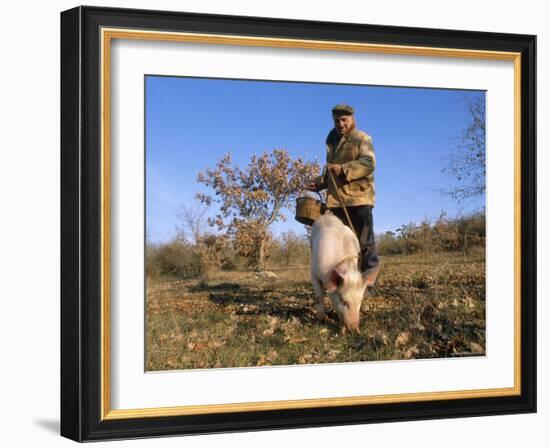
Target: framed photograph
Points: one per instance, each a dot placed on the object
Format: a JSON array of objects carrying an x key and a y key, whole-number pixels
[{"x": 273, "y": 223}]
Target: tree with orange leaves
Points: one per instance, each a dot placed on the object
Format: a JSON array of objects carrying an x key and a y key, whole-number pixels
[{"x": 253, "y": 198}]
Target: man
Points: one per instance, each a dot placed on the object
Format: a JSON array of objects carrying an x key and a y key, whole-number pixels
[{"x": 350, "y": 159}]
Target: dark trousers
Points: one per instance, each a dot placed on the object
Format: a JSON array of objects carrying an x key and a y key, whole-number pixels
[{"x": 361, "y": 218}]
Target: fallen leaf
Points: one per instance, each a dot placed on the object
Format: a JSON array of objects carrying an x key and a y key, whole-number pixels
[
  {"x": 294, "y": 339},
  {"x": 476, "y": 348},
  {"x": 402, "y": 339},
  {"x": 216, "y": 344},
  {"x": 412, "y": 352}
]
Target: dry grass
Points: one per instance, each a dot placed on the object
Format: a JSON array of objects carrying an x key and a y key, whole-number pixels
[{"x": 424, "y": 306}]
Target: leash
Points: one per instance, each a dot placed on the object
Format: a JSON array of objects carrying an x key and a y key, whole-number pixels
[{"x": 341, "y": 201}]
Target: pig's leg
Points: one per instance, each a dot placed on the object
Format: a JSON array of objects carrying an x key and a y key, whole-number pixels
[{"x": 319, "y": 297}]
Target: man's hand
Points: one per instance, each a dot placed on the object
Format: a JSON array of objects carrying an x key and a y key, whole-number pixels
[
  {"x": 312, "y": 187},
  {"x": 335, "y": 168}
]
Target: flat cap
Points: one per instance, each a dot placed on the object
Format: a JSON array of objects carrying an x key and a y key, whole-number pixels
[{"x": 343, "y": 109}]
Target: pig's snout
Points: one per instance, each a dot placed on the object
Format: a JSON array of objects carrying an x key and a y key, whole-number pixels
[{"x": 352, "y": 325}]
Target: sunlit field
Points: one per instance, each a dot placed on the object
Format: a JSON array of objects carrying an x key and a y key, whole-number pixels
[{"x": 423, "y": 306}]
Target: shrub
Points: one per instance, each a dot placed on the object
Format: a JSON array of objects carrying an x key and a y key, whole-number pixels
[
  {"x": 458, "y": 234},
  {"x": 173, "y": 259}
]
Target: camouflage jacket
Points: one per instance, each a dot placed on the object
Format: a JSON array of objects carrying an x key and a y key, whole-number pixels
[{"x": 355, "y": 183}]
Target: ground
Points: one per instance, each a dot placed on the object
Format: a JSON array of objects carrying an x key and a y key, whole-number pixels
[{"x": 423, "y": 306}]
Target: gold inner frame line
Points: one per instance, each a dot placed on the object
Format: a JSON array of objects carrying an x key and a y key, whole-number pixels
[{"x": 107, "y": 35}]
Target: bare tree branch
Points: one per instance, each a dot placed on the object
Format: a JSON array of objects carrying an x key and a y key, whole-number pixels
[
  {"x": 467, "y": 160},
  {"x": 193, "y": 219}
]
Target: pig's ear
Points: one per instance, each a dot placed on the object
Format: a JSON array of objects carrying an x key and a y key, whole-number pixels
[
  {"x": 335, "y": 279},
  {"x": 369, "y": 277}
]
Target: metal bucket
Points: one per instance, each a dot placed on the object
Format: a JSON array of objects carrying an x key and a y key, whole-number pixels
[{"x": 308, "y": 210}]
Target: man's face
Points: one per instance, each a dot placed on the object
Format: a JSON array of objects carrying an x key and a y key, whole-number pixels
[{"x": 343, "y": 123}]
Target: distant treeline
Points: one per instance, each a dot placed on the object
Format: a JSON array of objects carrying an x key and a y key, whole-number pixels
[
  {"x": 182, "y": 258},
  {"x": 442, "y": 235}
]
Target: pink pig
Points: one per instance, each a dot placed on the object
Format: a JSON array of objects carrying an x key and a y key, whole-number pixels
[{"x": 334, "y": 268}]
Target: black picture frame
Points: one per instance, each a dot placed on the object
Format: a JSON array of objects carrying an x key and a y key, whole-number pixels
[{"x": 81, "y": 210}]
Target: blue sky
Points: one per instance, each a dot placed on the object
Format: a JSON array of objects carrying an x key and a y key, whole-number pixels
[{"x": 192, "y": 122}]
